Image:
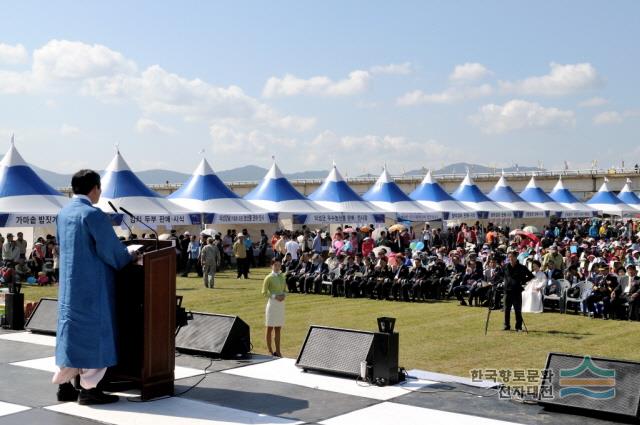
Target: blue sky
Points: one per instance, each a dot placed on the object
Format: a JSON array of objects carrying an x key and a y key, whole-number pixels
[{"x": 410, "y": 84}]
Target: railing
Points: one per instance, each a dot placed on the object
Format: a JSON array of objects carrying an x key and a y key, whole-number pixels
[{"x": 592, "y": 172}]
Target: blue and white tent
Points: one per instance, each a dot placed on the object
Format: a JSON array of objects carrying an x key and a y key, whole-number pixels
[
  {"x": 206, "y": 194},
  {"x": 606, "y": 201},
  {"x": 124, "y": 189},
  {"x": 276, "y": 194},
  {"x": 386, "y": 195},
  {"x": 627, "y": 196},
  {"x": 337, "y": 196},
  {"x": 568, "y": 200},
  {"x": 534, "y": 195},
  {"x": 25, "y": 199},
  {"x": 431, "y": 195},
  {"x": 470, "y": 195},
  {"x": 503, "y": 195}
]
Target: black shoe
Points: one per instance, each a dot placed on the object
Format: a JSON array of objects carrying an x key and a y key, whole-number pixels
[
  {"x": 463, "y": 302},
  {"x": 95, "y": 396},
  {"x": 67, "y": 392},
  {"x": 506, "y": 328}
]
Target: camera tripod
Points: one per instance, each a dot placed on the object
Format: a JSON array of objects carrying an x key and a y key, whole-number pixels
[{"x": 490, "y": 307}]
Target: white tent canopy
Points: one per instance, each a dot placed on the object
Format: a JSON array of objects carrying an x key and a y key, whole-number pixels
[
  {"x": 124, "y": 189},
  {"x": 606, "y": 201},
  {"x": 386, "y": 195},
  {"x": 533, "y": 194},
  {"x": 277, "y": 195},
  {"x": 335, "y": 194},
  {"x": 568, "y": 200},
  {"x": 432, "y": 196},
  {"x": 470, "y": 195},
  {"x": 503, "y": 195},
  {"x": 25, "y": 199},
  {"x": 206, "y": 194},
  {"x": 627, "y": 196}
]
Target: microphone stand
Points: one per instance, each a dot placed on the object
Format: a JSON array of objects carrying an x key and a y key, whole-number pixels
[
  {"x": 124, "y": 222},
  {"x": 144, "y": 224}
]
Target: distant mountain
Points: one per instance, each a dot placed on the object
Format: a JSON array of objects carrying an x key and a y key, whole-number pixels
[
  {"x": 246, "y": 173},
  {"x": 462, "y": 167},
  {"x": 56, "y": 180},
  {"x": 255, "y": 173}
]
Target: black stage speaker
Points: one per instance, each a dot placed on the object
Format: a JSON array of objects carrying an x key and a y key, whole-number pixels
[
  {"x": 14, "y": 310},
  {"x": 592, "y": 384},
  {"x": 44, "y": 319},
  {"x": 342, "y": 351},
  {"x": 215, "y": 335}
]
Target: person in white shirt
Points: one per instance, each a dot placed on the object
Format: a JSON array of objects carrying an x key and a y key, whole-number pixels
[
  {"x": 10, "y": 250},
  {"x": 426, "y": 236},
  {"x": 532, "y": 294},
  {"x": 292, "y": 247}
]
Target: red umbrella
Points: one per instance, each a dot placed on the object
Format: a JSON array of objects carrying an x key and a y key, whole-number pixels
[
  {"x": 348, "y": 230},
  {"x": 524, "y": 234}
]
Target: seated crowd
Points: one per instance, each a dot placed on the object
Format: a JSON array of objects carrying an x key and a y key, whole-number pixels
[
  {"x": 37, "y": 267},
  {"x": 466, "y": 262}
]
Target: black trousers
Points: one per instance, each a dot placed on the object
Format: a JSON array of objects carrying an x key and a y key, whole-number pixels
[
  {"x": 243, "y": 267},
  {"x": 513, "y": 299}
]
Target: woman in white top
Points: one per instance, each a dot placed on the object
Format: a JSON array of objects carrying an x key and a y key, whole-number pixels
[{"x": 532, "y": 294}]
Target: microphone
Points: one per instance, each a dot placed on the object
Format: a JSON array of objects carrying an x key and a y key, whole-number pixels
[
  {"x": 144, "y": 224},
  {"x": 116, "y": 211}
]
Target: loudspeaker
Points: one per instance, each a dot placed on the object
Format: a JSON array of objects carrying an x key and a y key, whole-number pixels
[
  {"x": 342, "y": 351},
  {"x": 216, "y": 335},
  {"x": 592, "y": 384},
  {"x": 14, "y": 310},
  {"x": 44, "y": 319}
]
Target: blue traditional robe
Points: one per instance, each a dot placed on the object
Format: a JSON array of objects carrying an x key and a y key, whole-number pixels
[{"x": 90, "y": 252}]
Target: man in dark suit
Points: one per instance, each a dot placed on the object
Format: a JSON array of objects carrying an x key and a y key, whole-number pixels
[
  {"x": 515, "y": 277},
  {"x": 627, "y": 291}
]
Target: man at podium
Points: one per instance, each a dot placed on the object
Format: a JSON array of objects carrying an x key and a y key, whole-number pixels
[{"x": 90, "y": 252}]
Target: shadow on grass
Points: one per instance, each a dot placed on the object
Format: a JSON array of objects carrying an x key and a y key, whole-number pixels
[{"x": 572, "y": 335}]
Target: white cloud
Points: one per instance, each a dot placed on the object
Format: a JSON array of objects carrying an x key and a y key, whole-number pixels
[
  {"x": 520, "y": 115},
  {"x": 392, "y": 69},
  {"x": 158, "y": 91},
  {"x": 450, "y": 95},
  {"x": 15, "y": 82},
  {"x": 290, "y": 85},
  {"x": 561, "y": 80},
  {"x": 69, "y": 130},
  {"x": 71, "y": 67},
  {"x": 608, "y": 117},
  {"x": 147, "y": 125},
  {"x": 232, "y": 141},
  {"x": 73, "y": 60},
  {"x": 615, "y": 117},
  {"x": 370, "y": 148},
  {"x": 13, "y": 55},
  {"x": 593, "y": 102},
  {"x": 469, "y": 72}
]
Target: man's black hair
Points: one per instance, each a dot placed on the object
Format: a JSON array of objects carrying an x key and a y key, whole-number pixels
[{"x": 84, "y": 181}]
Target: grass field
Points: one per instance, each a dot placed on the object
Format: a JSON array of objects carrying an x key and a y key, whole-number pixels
[{"x": 437, "y": 336}]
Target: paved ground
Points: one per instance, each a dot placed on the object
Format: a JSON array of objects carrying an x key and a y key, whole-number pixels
[{"x": 262, "y": 390}]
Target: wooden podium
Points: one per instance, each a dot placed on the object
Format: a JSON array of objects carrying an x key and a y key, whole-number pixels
[{"x": 146, "y": 316}]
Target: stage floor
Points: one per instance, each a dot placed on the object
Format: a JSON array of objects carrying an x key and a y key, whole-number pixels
[{"x": 263, "y": 390}]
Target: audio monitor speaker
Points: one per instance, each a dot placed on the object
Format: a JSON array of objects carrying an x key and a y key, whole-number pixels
[
  {"x": 343, "y": 351},
  {"x": 592, "y": 384},
  {"x": 44, "y": 319},
  {"x": 216, "y": 335}
]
